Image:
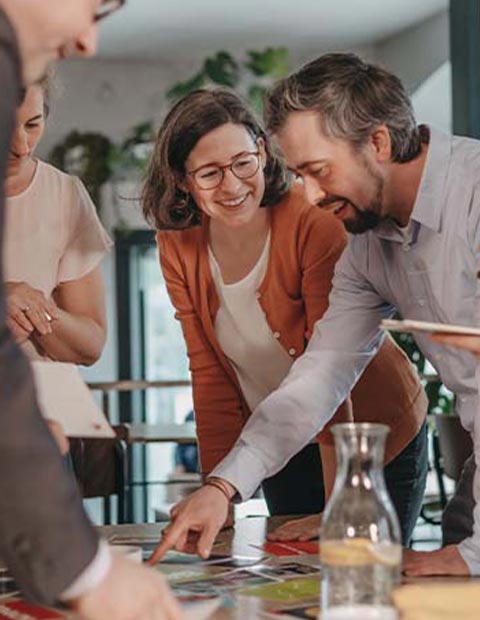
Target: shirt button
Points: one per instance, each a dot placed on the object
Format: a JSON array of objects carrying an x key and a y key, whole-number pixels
[
  {"x": 292, "y": 351},
  {"x": 276, "y": 335},
  {"x": 406, "y": 247},
  {"x": 421, "y": 302}
]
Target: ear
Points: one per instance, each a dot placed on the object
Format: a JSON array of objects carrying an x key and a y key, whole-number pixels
[
  {"x": 381, "y": 144},
  {"x": 182, "y": 183},
  {"x": 263, "y": 151}
]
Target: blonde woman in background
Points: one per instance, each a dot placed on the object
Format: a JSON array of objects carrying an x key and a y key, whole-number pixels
[{"x": 52, "y": 252}]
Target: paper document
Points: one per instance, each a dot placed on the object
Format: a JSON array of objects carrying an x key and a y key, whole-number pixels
[
  {"x": 64, "y": 397},
  {"x": 200, "y": 610}
]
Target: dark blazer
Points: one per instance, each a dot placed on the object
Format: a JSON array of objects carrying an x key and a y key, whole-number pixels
[{"x": 45, "y": 536}]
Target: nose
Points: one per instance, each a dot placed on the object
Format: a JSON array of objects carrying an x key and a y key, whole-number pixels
[
  {"x": 19, "y": 142},
  {"x": 86, "y": 44},
  {"x": 313, "y": 190},
  {"x": 230, "y": 182}
]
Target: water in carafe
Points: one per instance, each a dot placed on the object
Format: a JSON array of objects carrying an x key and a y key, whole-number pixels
[{"x": 360, "y": 546}]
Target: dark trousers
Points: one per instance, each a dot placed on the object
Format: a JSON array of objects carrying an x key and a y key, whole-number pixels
[
  {"x": 457, "y": 518},
  {"x": 298, "y": 487},
  {"x": 406, "y": 478}
]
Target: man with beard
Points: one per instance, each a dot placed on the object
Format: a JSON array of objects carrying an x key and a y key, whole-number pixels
[
  {"x": 410, "y": 197},
  {"x": 46, "y": 539}
]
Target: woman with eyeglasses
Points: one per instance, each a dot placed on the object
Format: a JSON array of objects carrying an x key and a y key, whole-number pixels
[{"x": 248, "y": 265}]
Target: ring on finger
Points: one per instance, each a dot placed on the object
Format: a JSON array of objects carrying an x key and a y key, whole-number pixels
[{"x": 26, "y": 309}]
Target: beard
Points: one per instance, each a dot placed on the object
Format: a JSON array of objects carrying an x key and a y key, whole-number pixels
[
  {"x": 367, "y": 218},
  {"x": 363, "y": 221}
]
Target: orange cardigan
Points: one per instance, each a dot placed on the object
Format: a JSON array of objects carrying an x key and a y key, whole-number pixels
[{"x": 305, "y": 245}]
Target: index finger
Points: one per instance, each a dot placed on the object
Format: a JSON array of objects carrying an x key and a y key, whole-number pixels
[
  {"x": 19, "y": 317},
  {"x": 176, "y": 530}
]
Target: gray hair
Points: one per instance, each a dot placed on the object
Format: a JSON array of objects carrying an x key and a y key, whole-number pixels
[{"x": 352, "y": 98}]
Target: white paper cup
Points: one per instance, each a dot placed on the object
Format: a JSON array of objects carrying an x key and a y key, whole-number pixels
[{"x": 131, "y": 552}]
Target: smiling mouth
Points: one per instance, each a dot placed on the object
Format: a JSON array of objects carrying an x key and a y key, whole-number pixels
[
  {"x": 340, "y": 207},
  {"x": 234, "y": 202},
  {"x": 336, "y": 206}
]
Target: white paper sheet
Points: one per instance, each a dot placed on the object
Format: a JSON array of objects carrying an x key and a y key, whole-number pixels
[{"x": 64, "y": 397}]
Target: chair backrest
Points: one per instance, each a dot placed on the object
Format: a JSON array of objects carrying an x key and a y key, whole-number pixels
[
  {"x": 455, "y": 444},
  {"x": 100, "y": 469}
]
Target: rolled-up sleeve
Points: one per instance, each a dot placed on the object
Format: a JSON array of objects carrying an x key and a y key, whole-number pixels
[{"x": 343, "y": 343}]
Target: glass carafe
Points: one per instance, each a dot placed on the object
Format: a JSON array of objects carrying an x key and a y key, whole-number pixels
[{"x": 360, "y": 545}]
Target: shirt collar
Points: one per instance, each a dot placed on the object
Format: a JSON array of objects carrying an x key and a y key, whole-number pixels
[{"x": 427, "y": 209}]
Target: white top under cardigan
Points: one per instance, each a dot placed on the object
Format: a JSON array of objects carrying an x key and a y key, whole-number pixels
[{"x": 259, "y": 360}]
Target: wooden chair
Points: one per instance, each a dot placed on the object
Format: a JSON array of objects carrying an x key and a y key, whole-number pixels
[{"x": 100, "y": 467}]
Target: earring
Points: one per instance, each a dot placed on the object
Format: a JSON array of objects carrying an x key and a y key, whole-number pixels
[{"x": 184, "y": 200}]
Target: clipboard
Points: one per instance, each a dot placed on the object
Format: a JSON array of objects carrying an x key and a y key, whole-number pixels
[{"x": 408, "y": 325}]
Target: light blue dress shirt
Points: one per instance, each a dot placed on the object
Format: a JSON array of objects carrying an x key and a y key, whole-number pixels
[{"x": 428, "y": 271}]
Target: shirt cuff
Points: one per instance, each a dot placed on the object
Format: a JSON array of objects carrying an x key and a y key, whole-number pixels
[
  {"x": 92, "y": 575},
  {"x": 471, "y": 555},
  {"x": 243, "y": 470}
]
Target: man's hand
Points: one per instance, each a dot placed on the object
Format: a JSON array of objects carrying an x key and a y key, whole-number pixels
[
  {"x": 129, "y": 592},
  {"x": 198, "y": 519},
  {"x": 303, "y": 529},
  {"x": 469, "y": 343},
  {"x": 29, "y": 309},
  {"x": 445, "y": 561}
]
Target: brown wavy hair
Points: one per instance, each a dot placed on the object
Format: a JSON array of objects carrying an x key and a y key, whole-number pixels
[{"x": 165, "y": 205}]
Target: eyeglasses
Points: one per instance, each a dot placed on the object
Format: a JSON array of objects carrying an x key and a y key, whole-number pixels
[
  {"x": 243, "y": 167},
  {"x": 107, "y": 7}
]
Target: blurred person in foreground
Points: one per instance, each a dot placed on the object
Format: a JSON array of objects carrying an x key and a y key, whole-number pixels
[
  {"x": 46, "y": 539},
  {"x": 409, "y": 196}
]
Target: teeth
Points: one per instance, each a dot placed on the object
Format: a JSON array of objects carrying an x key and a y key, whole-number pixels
[
  {"x": 339, "y": 208},
  {"x": 235, "y": 202}
]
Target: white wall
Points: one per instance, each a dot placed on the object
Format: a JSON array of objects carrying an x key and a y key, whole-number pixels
[
  {"x": 108, "y": 97},
  {"x": 432, "y": 100},
  {"x": 417, "y": 52}
]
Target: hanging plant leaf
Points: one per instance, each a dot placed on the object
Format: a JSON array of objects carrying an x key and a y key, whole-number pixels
[
  {"x": 144, "y": 132},
  {"x": 183, "y": 88},
  {"x": 86, "y": 155},
  {"x": 256, "y": 97},
  {"x": 438, "y": 398},
  {"x": 273, "y": 61},
  {"x": 222, "y": 69}
]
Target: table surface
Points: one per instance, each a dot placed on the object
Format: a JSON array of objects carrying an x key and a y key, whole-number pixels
[
  {"x": 184, "y": 433},
  {"x": 242, "y": 540}
]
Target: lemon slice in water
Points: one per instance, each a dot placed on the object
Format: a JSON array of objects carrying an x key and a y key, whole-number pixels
[{"x": 359, "y": 552}]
